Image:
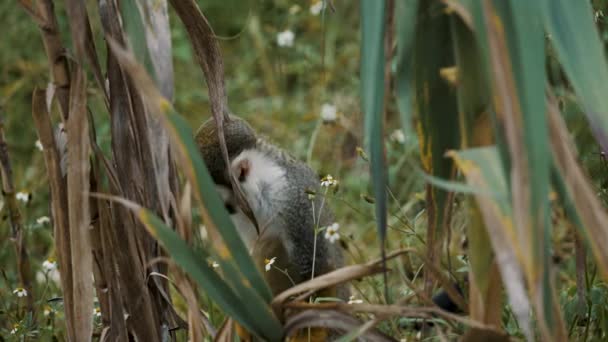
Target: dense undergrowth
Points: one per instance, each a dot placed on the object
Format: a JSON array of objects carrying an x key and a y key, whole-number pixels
[{"x": 284, "y": 88}]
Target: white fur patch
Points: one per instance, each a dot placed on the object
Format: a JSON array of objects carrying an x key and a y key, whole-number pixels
[
  {"x": 242, "y": 223},
  {"x": 264, "y": 175}
]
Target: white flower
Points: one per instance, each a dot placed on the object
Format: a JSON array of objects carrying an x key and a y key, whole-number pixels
[
  {"x": 20, "y": 292},
  {"x": 328, "y": 112},
  {"x": 294, "y": 9},
  {"x": 39, "y": 145},
  {"x": 285, "y": 38},
  {"x": 215, "y": 264},
  {"x": 329, "y": 181},
  {"x": 15, "y": 329},
  {"x": 49, "y": 265},
  {"x": 354, "y": 300},
  {"x": 22, "y": 196},
  {"x": 317, "y": 7},
  {"x": 97, "y": 312},
  {"x": 269, "y": 263},
  {"x": 43, "y": 219},
  {"x": 47, "y": 310},
  {"x": 397, "y": 136},
  {"x": 331, "y": 232}
]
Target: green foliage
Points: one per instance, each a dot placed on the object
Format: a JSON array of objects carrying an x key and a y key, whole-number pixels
[{"x": 280, "y": 90}]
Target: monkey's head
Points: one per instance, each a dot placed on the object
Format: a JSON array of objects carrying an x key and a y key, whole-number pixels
[{"x": 239, "y": 136}]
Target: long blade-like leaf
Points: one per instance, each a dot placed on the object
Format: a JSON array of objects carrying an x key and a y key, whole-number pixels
[
  {"x": 200, "y": 271},
  {"x": 406, "y": 27},
  {"x": 482, "y": 168},
  {"x": 233, "y": 256},
  {"x": 78, "y": 204},
  {"x": 435, "y": 103},
  {"x": 372, "y": 102},
  {"x": 571, "y": 29},
  {"x": 517, "y": 59},
  {"x": 590, "y": 210}
]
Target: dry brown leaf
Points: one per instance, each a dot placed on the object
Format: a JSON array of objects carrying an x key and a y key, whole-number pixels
[
  {"x": 331, "y": 319},
  {"x": 59, "y": 204},
  {"x": 209, "y": 57},
  {"x": 78, "y": 203}
]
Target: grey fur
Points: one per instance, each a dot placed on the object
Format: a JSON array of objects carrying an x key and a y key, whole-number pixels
[
  {"x": 296, "y": 211},
  {"x": 293, "y": 209}
]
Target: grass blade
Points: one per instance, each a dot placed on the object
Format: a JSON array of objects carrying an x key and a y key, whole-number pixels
[
  {"x": 372, "y": 102},
  {"x": 435, "y": 103},
  {"x": 206, "y": 277},
  {"x": 406, "y": 27},
  {"x": 485, "y": 286}
]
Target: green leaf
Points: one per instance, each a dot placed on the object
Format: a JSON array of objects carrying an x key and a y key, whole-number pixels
[
  {"x": 483, "y": 168},
  {"x": 525, "y": 39},
  {"x": 234, "y": 255},
  {"x": 405, "y": 11},
  {"x": 237, "y": 266},
  {"x": 456, "y": 186},
  {"x": 259, "y": 320},
  {"x": 134, "y": 27},
  {"x": 435, "y": 103},
  {"x": 476, "y": 130},
  {"x": 572, "y": 33},
  {"x": 372, "y": 102}
]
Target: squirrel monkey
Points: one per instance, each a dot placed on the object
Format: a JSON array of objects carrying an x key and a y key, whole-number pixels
[{"x": 275, "y": 185}]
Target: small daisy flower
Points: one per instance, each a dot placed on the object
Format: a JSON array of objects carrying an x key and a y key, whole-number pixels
[
  {"x": 97, "y": 312},
  {"x": 215, "y": 264},
  {"x": 15, "y": 329},
  {"x": 398, "y": 136},
  {"x": 22, "y": 196},
  {"x": 20, "y": 292},
  {"x": 43, "y": 219},
  {"x": 354, "y": 300},
  {"x": 49, "y": 265},
  {"x": 329, "y": 113},
  {"x": 269, "y": 263},
  {"x": 285, "y": 38},
  {"x": 39, "y": 145},
  {"x": 316, "y": 7},
  {"x": 329, "y": 181},
  {"x": 331, "y": 232}
]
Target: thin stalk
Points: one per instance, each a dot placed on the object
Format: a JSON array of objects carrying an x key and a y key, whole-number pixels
[
  {"x": 318, "y": 220},
  {"x": 313, "y": 140},
  {"x": 293, "y": 283}
]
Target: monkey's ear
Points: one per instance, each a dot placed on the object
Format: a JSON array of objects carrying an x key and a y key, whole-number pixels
[{"x": 243, "y": 167}]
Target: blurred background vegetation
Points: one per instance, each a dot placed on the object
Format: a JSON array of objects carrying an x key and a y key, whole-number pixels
[{"x": 282, "y": 91}]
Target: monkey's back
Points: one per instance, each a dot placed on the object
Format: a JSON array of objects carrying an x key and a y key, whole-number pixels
[{"x": 296, "y": 214}]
